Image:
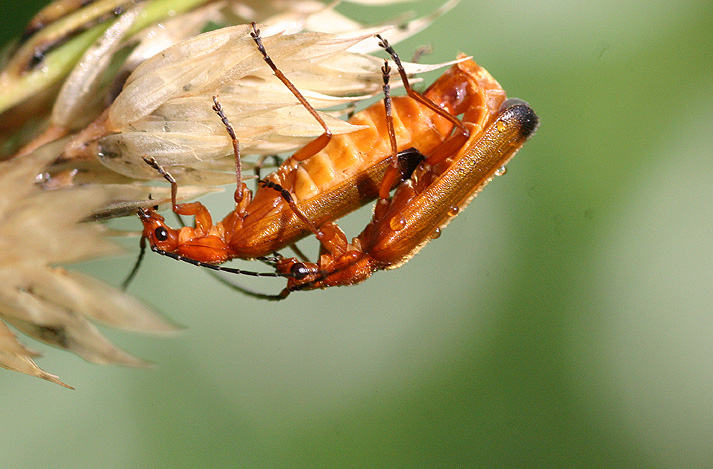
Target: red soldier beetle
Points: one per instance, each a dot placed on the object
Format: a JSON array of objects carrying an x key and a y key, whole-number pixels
[
  {"x": 419, "y": 209},
  {"x": 344, "y": 175},
  {"x": 306, "y": 193},
  {"x": 440, "y": 188}
]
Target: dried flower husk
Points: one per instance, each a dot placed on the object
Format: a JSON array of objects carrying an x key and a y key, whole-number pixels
[
  {"x": 93, "y": 87},
  {"x": 40, "y": 229}
]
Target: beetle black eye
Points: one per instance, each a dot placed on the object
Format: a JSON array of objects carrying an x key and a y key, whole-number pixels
[
  {"x": 160, "y": 233},
  {"x": 299, "y": 271}
]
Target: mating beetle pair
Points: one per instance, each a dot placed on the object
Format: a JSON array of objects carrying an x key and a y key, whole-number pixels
[{"x": 414, "y": 144}]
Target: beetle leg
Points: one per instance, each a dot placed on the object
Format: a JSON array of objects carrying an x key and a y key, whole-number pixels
[
  {"x": 203, "y": 220},
  {"x": 451, "y": 145},
  {"x": 240, "y": 187},
  {"x": 298, "y": 252},
  {"x": 330, "y": 236},
  {"x": 260, "y": 163},
  {"x": 320, "y": 142},
  {"x": 392, "y": 171},
  {"x": 415, "y": 94}
]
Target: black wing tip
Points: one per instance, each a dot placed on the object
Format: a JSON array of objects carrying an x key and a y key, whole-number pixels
[{"x": 519, "y": 112}]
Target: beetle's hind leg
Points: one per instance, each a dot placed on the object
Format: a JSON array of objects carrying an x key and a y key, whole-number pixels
[
  {"x": 320, "y": 142},
  {"x": 452, "y": 144}
]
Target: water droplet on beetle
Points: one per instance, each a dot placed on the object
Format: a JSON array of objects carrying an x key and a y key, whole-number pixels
[{"x": 397, "y": 223}]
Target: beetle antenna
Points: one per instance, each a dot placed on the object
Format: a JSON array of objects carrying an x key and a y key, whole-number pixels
[
  {"x": 245, "y": 291},
  {"x": 218, "y": 268},
  {"x": 135, "y": 269}
]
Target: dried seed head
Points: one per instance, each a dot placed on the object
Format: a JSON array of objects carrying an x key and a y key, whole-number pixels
[{"x": 100, "y": 86}]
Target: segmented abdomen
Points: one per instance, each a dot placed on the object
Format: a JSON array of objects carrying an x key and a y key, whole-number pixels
[
  {"x": 342, "y": 177},
  {"x": 349, "y": 154}
]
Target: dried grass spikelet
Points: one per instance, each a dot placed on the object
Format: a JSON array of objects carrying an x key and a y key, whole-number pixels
[
  {"x": 93, "y": 88},
  {"x": 61, "y": 79},
  {"x": 38, "y": 230},
  {"x": 179, "y": 128}
]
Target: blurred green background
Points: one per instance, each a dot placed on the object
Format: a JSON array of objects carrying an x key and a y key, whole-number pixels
[{"x": 564, "y": 319}]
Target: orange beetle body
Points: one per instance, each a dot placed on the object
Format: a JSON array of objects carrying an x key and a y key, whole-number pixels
[
  {"x": 416, "y": 144},
  {"x": 430, "y": 198},
  {"x": 345, "y": 175}
]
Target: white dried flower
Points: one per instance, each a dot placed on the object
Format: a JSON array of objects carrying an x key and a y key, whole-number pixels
[
  {"x": 94, "y": 88},
  {"x": 38, "y": 230}
]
